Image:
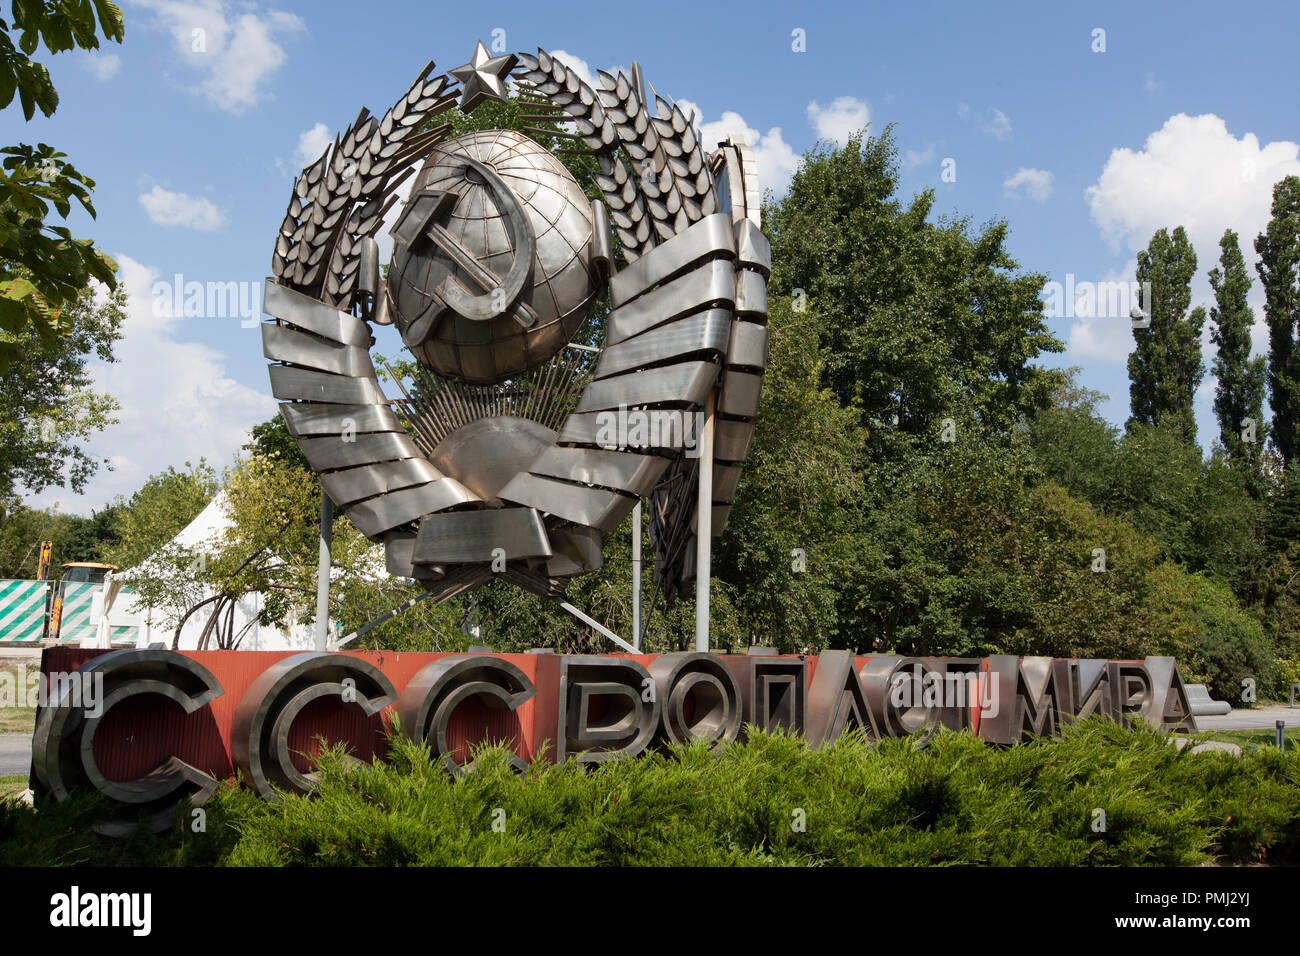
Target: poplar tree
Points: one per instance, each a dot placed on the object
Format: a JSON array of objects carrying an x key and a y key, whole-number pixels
[
  {"x": 1279, "y": 263},
  {"x": 1239, "y": 394},
  {"x": 1165, "y": 367}
]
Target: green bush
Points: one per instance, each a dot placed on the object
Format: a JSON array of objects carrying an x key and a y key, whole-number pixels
[
  {"x": 1198, "y": 621},
  {"x": 958, "y": 801}
]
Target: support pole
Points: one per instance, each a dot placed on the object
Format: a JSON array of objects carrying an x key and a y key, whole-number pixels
[
  {"x": 636, "y": 575},
  {"x": 323, "y": 572},
  {"x": 704, "y": 530}
]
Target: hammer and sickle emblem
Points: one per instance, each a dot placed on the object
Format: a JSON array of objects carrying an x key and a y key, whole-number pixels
[{"x": 496, "y": 295}]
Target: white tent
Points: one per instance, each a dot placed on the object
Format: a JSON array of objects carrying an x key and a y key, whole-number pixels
[{"x": 119, "y": 607}]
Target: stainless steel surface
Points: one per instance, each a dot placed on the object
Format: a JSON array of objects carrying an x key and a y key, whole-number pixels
[
  {"x": 313, "y": 316},
  {"x": 485, "y": 454},
  {"x": 305, "y": 419},
  {"x": 284, "y": 344},
  {"x": 328, "y": 454},
  {"x": 740, "y": 394},
  {"x": 712, "y": 285},
  {"x": 594, "y": 507},
  {"x": 688, "y": 382},
  {"x": 515, "y": 230},
  {"x": 711, "y": 237},
  {"x": 304, "y": 384},
  {"x": 367, "y": 481},
  {"x": 634, "y": 474},
  {"x": 474, "y": 537},
  {"x": 685, "y": 338},
  {"x": 748, "y": 347}
]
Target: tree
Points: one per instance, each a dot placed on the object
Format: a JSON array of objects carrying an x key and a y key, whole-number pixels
[
  {"x": 272, "y": 437},
  {"x": 1239, "y": 395},
  {"x": 1279, "y": 270},
  {"x": 1165, "y": 367},
  {"x": 921, "y": 320},
  {"x": 73, "y": 538},
  {"x": 43, "y": 269},
  {"x": 49, "y": 402},
  {"x": 788, "y": 543},
  {"x": 1074, "y": 445},
  {"x": 159, "y": 510}
]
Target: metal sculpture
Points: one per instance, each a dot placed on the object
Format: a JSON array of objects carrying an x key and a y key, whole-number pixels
[
  {"x": 501, "y": 458},
  {"x": 259, "y": 739},
  {"x": 63, "y": 745}
]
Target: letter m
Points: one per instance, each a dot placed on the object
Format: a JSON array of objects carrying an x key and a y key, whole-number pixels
[{"x": 1037, "y": 707}]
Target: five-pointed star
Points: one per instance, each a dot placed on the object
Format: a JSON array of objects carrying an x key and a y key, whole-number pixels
[{"x": 481, "y": 78}]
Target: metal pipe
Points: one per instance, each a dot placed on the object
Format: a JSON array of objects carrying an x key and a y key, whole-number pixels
[
  {"x": 383, "y": 618},
  {"x": 704, "y": 530},
  {"x": 596, "y": 625},
  {"x": 636, "y": 575},
  {"x": 323, "y": 572}
]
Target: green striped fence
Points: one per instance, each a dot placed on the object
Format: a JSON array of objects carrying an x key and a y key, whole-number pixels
[
  {"x": 22, "y": 610},
  {"x": 23, "y": 605},
  {"x": 75, "y": 621}
]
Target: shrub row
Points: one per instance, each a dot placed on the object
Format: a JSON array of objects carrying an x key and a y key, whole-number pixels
[{"x": 771, "y": 801}]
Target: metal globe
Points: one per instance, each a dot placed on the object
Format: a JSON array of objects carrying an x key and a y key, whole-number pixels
[{"x": 492, "y": 270}]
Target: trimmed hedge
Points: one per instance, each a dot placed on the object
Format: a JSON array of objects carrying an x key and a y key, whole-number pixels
[{"x": 957, "y": 801}]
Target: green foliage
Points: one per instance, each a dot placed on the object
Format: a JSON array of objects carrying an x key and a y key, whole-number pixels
[
  {"x": 50, "y": 403},
  {"x": 161, "y": 508},
  {"x": 958, "y": 801},
  {"x": 272, "y": 437},
  {"x": 1239, "y": 394},
  {"x": 43, "y": 269},
  {"x": 1074, "y": 445},
  {"x": 73, "y": 537},
  {"x": 918, "y": 318},
  {"x": 1165, "y": 366},
  {"x": 788, "y": 542},
  {"x": 60, "y": 27},
  {"x": 1216, "y": 643},
  {"x": 1279, "y": 270}
]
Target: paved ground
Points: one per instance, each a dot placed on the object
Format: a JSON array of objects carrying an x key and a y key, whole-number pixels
[
  {"x": 1257, "y": 718},
  {"x": 15, "y": 754}
]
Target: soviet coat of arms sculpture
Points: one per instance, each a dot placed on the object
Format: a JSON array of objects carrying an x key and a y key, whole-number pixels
[{"x": 498, "y": 458}]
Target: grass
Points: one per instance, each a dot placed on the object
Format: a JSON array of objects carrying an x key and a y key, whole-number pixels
[
  {"x": 1257, "y": 738},
  {"x": 11, "y": 786},
  {"x": 770, "y": 802},
  {"x": 16, "y": 720}
]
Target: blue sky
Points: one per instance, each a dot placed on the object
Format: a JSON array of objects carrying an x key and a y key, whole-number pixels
[{"x": 1187, "y": 117}]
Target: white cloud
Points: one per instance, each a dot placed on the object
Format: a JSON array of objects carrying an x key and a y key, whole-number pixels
[
  {"x": 963, "y": 111},
  {"x": 1150, "y": 85},
  {"x": 777, "y": 161},
  {"x": 997, "y": 124},
  {"x": 1106, "y": 340},
  {"x": 912, "y": 159},
  {"x": 104, "y": 66},
  {"x": 1037, "y": 185},
  {"x": 233, "y": 47},
  {"x": 178, "y": 402},
  {"x": 1193, "y": 173},
  {"x": 311, "y": 143},
  {"x": 845, "y": 116},
  {"x": 177, "y": 209},
  {"x": 578, "y": 65}
]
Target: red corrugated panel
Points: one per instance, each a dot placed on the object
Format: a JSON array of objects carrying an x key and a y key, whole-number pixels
[{"x": 139, "y": 734}]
